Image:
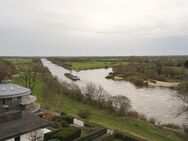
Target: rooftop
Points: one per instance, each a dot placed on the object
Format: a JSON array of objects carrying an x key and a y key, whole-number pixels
[
  {"x": 8, "y": 89},
  {"x": 27, "y": 123}
]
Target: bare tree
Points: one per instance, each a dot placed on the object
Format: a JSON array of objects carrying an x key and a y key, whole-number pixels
[
  {"x": 122, "y": 104},
  {"x": 35, "y": 135},
  {"x": 29, "y": 76}
]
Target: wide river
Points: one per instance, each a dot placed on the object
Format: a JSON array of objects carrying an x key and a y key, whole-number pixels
[{"x": 160, "y": 103}]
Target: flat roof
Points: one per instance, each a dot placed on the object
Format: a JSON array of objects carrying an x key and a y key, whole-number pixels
[
  {"x": 12, "y": 90},
  {"x": 28, "y": 123}
]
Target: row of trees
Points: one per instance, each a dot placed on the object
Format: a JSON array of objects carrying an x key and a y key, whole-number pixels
[
  {"x": 152, "y": 70},
  {"x": 90, "y": 94}
]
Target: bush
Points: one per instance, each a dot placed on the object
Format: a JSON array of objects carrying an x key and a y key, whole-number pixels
[
  {"x": 133, "y": 114},
  {"x": 127, "y": 137},
  {"x": 66, "y": 118},
  {"x": 47, "y": 116},
  {"x": 185, "y": 128},
  {"x": 93, "y": 135},
  {"x": 63, "y": 113},
  {"x": 152, "y": 120},
  {"x": 138, "y": 81},
  {"x": 84, "y": 113},
  {"x": 66, "y": 134},
  {"x": 62, "y": 124},
  {"x": 171, "y": 125}
]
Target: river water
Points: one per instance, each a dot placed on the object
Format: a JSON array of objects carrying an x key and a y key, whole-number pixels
[{"x": 163, "y": 104}]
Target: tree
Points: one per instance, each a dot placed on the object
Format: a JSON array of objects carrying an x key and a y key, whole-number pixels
[
  {"x": 186, "y": 64},
  {"x": 2, "y": 74},
  {"x": 122, "y": 103},
  {"x": 29, "y": 76},
  {"x": 34, "y": 135},
  {"x": 6, "y": 69}
]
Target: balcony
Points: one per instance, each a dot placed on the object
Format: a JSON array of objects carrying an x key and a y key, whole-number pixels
[{"x": 28, "y": 100}]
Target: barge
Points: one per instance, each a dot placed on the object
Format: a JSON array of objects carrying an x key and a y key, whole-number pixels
[{"x": 72, "y": 77}]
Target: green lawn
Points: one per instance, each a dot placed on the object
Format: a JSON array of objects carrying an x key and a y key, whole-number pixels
[
  {"x": 92, "y": 65},
  {"x": 126, "y": 124}
]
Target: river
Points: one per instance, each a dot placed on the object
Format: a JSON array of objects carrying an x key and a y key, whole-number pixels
[{"x": 163, "y": 104}]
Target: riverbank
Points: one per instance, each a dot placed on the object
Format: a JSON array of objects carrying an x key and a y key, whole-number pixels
[
  {"x": 86, "y": 64},
  {"x": 156, "y": 83}
]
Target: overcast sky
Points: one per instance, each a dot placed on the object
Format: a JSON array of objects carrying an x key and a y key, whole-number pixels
[{"x": 93, "y": 27}]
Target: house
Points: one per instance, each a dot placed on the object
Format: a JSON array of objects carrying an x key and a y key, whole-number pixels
[
  {"x": 15, "y": 97},
  {"x": 22, "y": 126},
  {"x": 17, "y": 119}
]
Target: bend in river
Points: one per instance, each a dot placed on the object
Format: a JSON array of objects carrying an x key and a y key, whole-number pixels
[{"x": 163, "y": 104}]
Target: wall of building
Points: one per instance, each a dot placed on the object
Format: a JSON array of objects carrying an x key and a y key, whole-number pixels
[{"x": 29, "y": 136}]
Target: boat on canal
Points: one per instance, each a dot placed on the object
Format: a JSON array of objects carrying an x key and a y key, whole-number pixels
[{"x": 72, "y": 77}]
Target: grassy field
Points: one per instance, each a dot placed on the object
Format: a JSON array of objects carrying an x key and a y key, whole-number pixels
[
  {"x": 19, "y": 61},
  {"x": 102, "y": 117},
  {"x": 85, "y": 64},
  {"x": 106, "y": 119},
  {"x": 90, "y": 65}
]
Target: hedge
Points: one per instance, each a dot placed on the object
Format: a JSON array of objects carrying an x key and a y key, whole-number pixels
[
  {"x": 66, "y": 118},
  {"x": 93, "y": 135},
  {"x": 61, "y": 124},
  {"x": 122, "y": 136},
  {"x": 127, "y": 136},
  {"x": 66, "y": 134}
]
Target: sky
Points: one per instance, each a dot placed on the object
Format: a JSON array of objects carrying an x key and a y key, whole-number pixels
[{"x": 93, "y": 27}]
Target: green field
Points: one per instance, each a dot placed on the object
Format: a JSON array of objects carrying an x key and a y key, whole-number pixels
[
  {"x": 92, "y": 64},
  {"x": 102, "y": 117},
  {"x": 19, "y": 61}
]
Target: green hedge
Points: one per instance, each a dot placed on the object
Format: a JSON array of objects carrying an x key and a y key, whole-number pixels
[
  {"x": 66, "y": 134},
  {"x": 61, "y": 124},
  {"x": 127, "y": 136},
  {"x": 122, "y": 136},
  {"x": 66, "y": 118},
  {"x": 93, "y": 135}
]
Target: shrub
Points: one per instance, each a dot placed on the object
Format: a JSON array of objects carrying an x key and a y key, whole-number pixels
[
  {"x": 127, "y": 137},
  {"x": 84, "y": 113},
  {"x": 62, "y": 124},
  {"x": 171, "y": 125},
  {"x": 186, "y": 64},
  {"x": 152, "y": 120},
  {"x": 56, "y": 125},
  {"x": 66, "y": 118},
  {"x": 143, "y": 117},
  {"x": 63, "y": 113},
  {"x": 137, "y": 81},
  {"x": 133, "y": 114},
  {"x": 185, "y": 128},
  {"x": 47, "y": 116},
  {"x": 93, "y": 135},
  {"x": 66, "y": 134}
]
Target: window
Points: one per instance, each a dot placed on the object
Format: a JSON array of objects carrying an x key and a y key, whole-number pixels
[
  {"x": 17, "y": 138},
  {"x": 3, "y": 101}
]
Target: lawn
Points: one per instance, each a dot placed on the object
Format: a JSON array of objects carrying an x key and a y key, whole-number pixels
[
  {"x": 91, "y": 64},
  {"x": 126, "y": 124}
]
